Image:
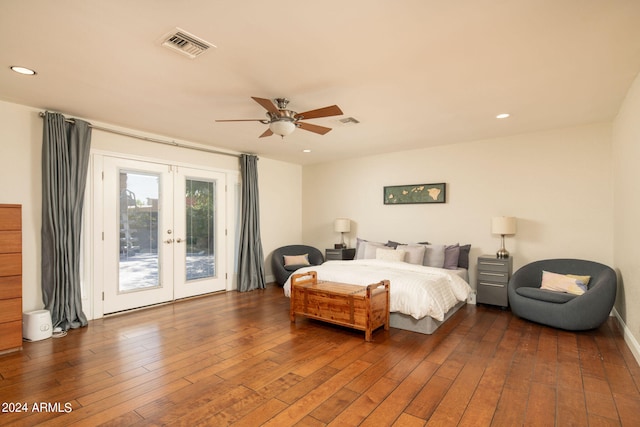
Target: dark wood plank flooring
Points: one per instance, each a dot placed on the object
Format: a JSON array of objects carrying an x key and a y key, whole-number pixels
[{"x": 235, "y": 359}]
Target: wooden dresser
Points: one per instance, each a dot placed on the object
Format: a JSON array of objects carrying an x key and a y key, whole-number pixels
[{"x": 10, "y": 277}]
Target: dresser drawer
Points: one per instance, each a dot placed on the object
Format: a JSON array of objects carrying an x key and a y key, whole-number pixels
[
  {"x": 11, "y": 333},
  {"x": 10, "y": 218},
  {"x": 10, "y": 287},
  {"x": 493, "y": 276},
  {"x": 11, "y": 264},
  {"x": 10, "y": 310},
  {"x": 10, "y": 241},
  {"x": 493, "y": 264},
  {"x": 492, "y": 293}
]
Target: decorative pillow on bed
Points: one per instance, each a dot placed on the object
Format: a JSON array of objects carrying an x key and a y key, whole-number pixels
[
  {"x": 393, "y": 244},
  {"x": 414, "y": 253},
  {"x": 451, "y": 256},
  {"x": 296, "y": 260},
  {"x": 360, "y": 248},
  {"x": 390, "y": 254},
  {"x": 568, "y": 283},
  {"x": 434, "y": 256},
  {"x": 370, "y": 249},
  {"x": 366, "y": 249},
  {"x": 463, "y": 261}
]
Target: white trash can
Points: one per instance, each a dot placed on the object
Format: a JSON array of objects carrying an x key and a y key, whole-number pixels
[{"x": 36, "y": 325}]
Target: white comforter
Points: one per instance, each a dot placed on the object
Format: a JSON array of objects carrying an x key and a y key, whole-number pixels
[{"x": 416, "y": 290}]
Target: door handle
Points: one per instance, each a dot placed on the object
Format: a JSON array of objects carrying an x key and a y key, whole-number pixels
[
  {"x": 179, "y": 240},
  {"x": 169, "y": 241}
]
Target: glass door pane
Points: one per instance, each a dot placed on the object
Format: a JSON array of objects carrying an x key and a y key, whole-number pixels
[
  {"x": 200, "y": 229},
  {"x": 139, "y": 264},
  {"x": 138, "y": 234},
  {"x": 199, "y": 220}
]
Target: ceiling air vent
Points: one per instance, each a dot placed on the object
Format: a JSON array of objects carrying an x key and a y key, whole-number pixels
[{"x": 186, "y": 44}]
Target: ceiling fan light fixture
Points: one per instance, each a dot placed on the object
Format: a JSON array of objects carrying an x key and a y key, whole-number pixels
[{"x": 282, "y": 127}]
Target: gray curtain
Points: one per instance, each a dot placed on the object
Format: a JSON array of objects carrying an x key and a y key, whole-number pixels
[
  {"x": 65, "y": 161},
  {"x": 251, "y": 260}
]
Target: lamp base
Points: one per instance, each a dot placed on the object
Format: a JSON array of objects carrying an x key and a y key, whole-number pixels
[{"x": 502, "y": 253}]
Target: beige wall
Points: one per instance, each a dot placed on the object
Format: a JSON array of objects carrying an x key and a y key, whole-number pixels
[
  {"x": 280, "y": 207},
  {"x": 626, "y": 172},
  {"x": 558, "y": 184},
  {"x": 21, "y": 183}
]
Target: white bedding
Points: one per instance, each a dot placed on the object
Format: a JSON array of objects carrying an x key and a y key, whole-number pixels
[{"x": 416, "y": 290}]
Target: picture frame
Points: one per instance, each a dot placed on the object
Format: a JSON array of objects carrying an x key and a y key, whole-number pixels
[{"x": 415, "y": 193}]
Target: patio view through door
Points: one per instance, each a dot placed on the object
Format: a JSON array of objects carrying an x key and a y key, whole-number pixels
[{"x": 164, "y": 235}]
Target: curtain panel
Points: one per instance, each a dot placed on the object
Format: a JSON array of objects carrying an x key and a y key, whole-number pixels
[
  {"x": 65, "y": 162},
  {"x": 250, "y": 259}
]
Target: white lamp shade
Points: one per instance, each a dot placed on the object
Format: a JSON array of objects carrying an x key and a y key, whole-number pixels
[
  {"x": 282, "y": 127},
  {"x": 503, "y": 225},
  {"x": 342, "y": 225}
]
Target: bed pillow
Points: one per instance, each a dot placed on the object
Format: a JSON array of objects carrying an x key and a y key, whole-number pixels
[
  {"x": 296, "y": 260},
  {"x": 562, "y": 283},
  {"x": 360, "y": 248},
  {"x": 393, "y": 244},
  {"x": 390, "y": 254},
  {"x": 451, "y": 256},
  {"x": 434, "y": 256},
  {"x": 414, "y": 253},
  {"x": 463, "y": 260},
  {"x": 370, "y": 249}
]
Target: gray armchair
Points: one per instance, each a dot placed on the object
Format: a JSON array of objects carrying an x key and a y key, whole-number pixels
[
  {"x": 281, "y": 272},
  {"x": 561, "y": 310}
]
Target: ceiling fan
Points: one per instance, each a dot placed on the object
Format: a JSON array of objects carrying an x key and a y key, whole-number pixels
[{"x": 282, "y": 121}]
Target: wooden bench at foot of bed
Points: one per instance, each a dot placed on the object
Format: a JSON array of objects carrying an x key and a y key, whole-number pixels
[{"x": 365, "y": 308}]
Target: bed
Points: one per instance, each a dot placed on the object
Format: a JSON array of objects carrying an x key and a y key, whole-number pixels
[{"x": 422, "y": 297}]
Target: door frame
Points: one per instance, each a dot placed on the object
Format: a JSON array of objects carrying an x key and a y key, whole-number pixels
[{"x": 92, "y": 268}]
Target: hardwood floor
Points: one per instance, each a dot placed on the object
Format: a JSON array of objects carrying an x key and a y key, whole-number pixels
[{"x": 235, "y": 359}]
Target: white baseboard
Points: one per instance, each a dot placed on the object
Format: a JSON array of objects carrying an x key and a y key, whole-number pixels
[{"x": 631, "y": 341}]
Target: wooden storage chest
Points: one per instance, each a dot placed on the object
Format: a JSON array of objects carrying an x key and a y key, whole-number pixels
[{"x": 364, "y": 308}]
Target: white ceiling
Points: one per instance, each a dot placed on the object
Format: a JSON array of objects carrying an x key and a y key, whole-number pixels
[{"x": 415, "y": 73}]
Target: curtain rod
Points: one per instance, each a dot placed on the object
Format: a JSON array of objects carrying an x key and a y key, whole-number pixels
[{"x": 149, "y": 139}]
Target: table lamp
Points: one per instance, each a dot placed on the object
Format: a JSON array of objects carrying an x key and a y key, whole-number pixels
[
  {"x": 503, "y": 225},
  {"x": 342, "y": 225}
]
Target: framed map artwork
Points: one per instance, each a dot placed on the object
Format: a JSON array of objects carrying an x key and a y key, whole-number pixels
[{"x": 419, "y": 193}]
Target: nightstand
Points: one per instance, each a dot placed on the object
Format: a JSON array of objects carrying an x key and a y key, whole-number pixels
[
  {"x": 339, "y": 254},
  {"x": 493, "y": 276}
]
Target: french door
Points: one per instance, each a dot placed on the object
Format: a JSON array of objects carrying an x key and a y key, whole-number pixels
[{"x": 164, "y": 233}]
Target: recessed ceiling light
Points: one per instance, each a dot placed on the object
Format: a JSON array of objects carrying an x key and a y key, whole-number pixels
[
  {"x": 23, "y": 70},
  {"x": 502, "y": 116},
  {"x": 306, "y": 150}
]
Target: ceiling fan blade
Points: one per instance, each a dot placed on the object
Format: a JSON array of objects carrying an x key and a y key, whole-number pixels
[
  {"x": 266, "y": 133},
  {"x": 313, "y": 128},
  {"x": 333, "y": 110},
  {"x": 267, "y": 104},
  {"x": 241, "y": 120}
]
